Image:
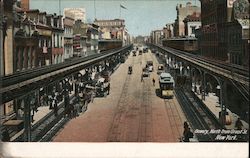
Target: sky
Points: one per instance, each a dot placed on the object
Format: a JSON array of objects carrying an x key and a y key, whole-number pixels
[{"x": 141, "y": 16}]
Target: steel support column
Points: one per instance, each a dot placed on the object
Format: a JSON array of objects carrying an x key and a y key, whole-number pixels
[
  {"x": 203, "y": 94},
  {"x": 222, "y": 114},
  {"x": 27, "y": 119}
]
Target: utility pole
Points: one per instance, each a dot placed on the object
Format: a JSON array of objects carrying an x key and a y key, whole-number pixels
[
  {"x": 95, "y": 9},
  {"x": 59, "y": 7}
]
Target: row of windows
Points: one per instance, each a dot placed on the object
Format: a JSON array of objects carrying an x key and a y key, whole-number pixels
[
  {"x": 46, "y": 21},
  {"x": 44, "y": 43},
  {"x": 25, "y": 58},
  {"x": 57, "y": 40},
  {"x": 110, "y": 23},
  {"x": 68, "y": 30},
  {"x": 94, "y": 36}
]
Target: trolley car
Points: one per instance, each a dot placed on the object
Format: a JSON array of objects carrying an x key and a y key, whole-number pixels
[{"x": 166, "y": 83}]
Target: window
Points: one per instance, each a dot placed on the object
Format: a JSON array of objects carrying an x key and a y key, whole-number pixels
[
  {"x": 57, "y": 42},
  {"x": 40, "y": 43},
  {"x": 49, "y": 43},
  {"x": 193, "y": 29}
]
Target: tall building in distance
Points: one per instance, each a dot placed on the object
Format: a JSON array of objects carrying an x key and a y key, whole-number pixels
[
  {"x": 168, "y": 30},
  {"x": 157, "y": 36},
  {"x": 113, "y": 29},
  {"x": 182, "y": 13},
  {"x": 77, "y": 13}
]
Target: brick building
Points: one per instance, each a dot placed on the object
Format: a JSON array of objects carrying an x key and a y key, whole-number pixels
[
  {"x": 222, "y": 32},
  {"x": 68, "y": 23},
  {"x": 57, "y": 39}
]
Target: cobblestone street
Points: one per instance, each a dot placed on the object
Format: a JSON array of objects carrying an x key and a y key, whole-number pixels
[{"x": 131, "y": 113}]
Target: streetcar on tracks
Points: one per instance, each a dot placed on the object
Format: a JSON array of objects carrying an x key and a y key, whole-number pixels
[{"x": 166, "y": 82}]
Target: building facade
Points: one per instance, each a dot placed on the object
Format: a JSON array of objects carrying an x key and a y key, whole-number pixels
[
  {"x": 113, "y": 29},
  {"x": 168, "y": 31},
  {"x": 57, "y": 39},
  {"x": 191, "y": 23},
  {"x": 79, "y": 45},
  {"x": 42, "y": 26},
  {"x": 182, "y": 13},
  {"x": 68, "y": 23},
  {"x": 25, "y": 45},
  {"x": 238, "y": 34},
  {"x": 86, "y": 38},
  {"x": 8, "y": 37},
  {"x": 92, "y": 38},
  {"x": 217, "y": 19},
  {"x": 77, "y": 13},
  {"x": 157, "y": 37}
]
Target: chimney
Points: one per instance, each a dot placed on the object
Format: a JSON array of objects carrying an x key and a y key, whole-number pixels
[{"x": 25, "y": 5}]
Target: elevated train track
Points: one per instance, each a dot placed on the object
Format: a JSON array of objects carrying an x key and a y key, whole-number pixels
[
  {"x": 237, "y": 75},
  {"x": 198, "y": 114},
  {"x": 15, "y": 85}
]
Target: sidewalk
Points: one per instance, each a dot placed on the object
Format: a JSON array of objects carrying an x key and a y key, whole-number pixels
[{"x": 212, "y": 102}]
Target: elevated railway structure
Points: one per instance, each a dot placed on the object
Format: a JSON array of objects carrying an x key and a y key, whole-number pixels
[
  {"x": 228, "y": 77},
  {"x": 237, "y": 75},
  {"x": 15, "y": 85},
  {"x": 226, "y": 70}
]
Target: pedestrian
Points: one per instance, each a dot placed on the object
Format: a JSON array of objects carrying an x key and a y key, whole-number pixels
[
  {"x": 5, "y": 136},
  {"x": 50, "y": 101},
  {"x": 238, "y": 124},
  {"x": 195, "y": 89},
  {"x": 185, "y": 125},
  {"x": 41, "y": 101},
  {"x": 187, "y": 133},
  {"x": 55, "y": 107},
  {"x": 45, "y": 99},
  {"x": 108, "y": 88},
  {"x": 206, "y": 90},
  {"x": 200, "y": 90},
  {"x": 20, "y": 113},
  {"x": 153, "y": 80},
  {"x": 75, "y": 113},
  {"x": 141, "y": 77},
  {"x": 92, "y": 96}
]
